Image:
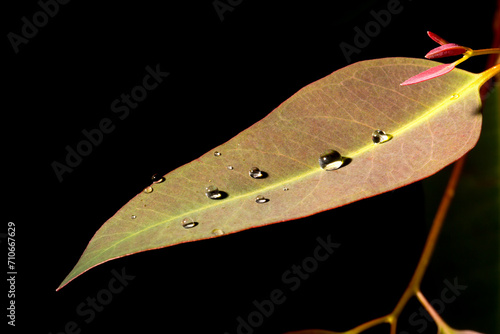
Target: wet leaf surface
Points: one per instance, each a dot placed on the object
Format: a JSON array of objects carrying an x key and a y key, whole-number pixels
[{"x": 428, "y": 126}]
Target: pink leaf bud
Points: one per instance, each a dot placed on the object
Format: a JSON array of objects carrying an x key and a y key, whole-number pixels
[
  {"x": 446, "y": 50},
  {"x": 429, "y": 74}
]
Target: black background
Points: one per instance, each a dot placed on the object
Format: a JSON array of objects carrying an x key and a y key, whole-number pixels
[{"x": 224, "y": 76}]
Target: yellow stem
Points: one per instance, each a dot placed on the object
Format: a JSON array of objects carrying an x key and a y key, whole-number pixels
[
  {"x": 489, "y": 73},
  {"x": 369, "y": 324},
  {"x": 465, "y": 56},
  {"x": 485, "y": 51}
]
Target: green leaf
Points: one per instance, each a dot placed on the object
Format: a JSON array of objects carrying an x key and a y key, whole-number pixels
[{"x": 432, "y": 124}]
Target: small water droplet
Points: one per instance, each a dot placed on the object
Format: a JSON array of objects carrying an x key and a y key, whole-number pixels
[
  {"x": 379, "y": 137},
  {"x": 212, "y": 192},
  {"x": 217, "y": 231},
  {"x": 255, "y": 173},
  {"x": 261, "y": 199},
  {"x": 455, "y": 96},
  {"x": 217, "y": 153},
  {"x": 148, "y": 190},
  {"x": 230, "y": 167},
  {"x": 157, "y": 178},
  {"x": 188, "y": 223},
  {"x": 133, "y": 216},
  {"x": 330, "y": 160}
]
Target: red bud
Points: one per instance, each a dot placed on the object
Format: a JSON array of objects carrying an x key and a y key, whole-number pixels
[
  {"x": 431, "y": 73},
  {"x": 447, "y": 50}
]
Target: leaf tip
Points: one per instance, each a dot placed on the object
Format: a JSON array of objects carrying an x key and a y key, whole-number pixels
[{"x": 436, "y": 38}]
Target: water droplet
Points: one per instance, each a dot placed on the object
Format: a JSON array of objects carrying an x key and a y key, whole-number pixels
[
  {"x": 212, "y": 192},
  {"x": 188, "y": 223},
  {"x": 156, "y": 178},
  {"x": 217, "y": 232},
  {"x": 133, "y": 216},
  {"x": 148, "y": 190},
  {"x": 330, "y": 160},
  {"x": 255, "y": 173},
  {"x": 261, "y": 199},
  {"x": 217, "y": 153},
  {"x": 379, "y": 137},
  {"x": 455, "y": 96},
  {"x": 230, "y": 167}
]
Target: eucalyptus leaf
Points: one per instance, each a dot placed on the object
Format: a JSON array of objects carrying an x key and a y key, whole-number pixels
[{"x": 427, "y": 127}]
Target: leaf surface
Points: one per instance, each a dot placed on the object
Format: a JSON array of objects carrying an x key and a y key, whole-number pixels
[{"x": 433, "y": 124}]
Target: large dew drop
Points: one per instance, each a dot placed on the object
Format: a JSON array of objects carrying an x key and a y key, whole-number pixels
[
  {"x": 330, "y": 160},
  {"x": 379, "y": 137},
  {"x": 212, "y": 192},
  {"x": 255, "y": 173},
  {"x": 156, "y": 178},
  {"x": 261, "y": 199},
  {"x": 188, "y": 223}
]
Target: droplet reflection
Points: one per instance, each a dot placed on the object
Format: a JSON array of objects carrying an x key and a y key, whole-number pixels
[
  {"x": 330, "y": 160},
  {"x": 212, "y": 192},
  {"x": 379, "y": 137},
  {"x": 255, "y": 173},
  {"x": 157, "y": 178},
  {"x": 188, "y": 223},
  {"x": 261, "y": 199}
]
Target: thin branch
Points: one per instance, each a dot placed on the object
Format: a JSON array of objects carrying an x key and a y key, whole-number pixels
[
  {"x": 437, "y": 224},
  {"x": 437, "y": 318},
  {"x": 414, "y": 285}
]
